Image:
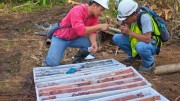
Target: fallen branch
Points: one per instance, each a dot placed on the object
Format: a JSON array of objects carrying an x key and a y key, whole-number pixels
[
  {"x": 114, "y": 30},
  {"x": 166, "y": 69},
  {"x": 74, "y": 2},
  {"x": 177, "y": 99}
]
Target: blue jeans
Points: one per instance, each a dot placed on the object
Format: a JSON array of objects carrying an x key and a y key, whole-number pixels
[
  {"x": 52, "y": 30},
  {"x": 144, "y": 50},
  {"x": 59, "y": 45}
]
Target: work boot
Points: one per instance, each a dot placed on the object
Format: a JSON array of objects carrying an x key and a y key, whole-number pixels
[
  {"x": 80, "y": 56},
  {"x": 131, "y": 59},
  {"x": 147, "y": 69}
]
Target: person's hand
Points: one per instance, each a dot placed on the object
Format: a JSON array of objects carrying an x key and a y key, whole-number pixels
[
  {"x": 94, "y": 48},
  {"x": 125, "y": 29},
  {"x": 104, "y": 27}
]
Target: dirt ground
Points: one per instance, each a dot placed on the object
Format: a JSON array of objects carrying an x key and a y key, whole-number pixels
[{"x": 21, "y": 50}]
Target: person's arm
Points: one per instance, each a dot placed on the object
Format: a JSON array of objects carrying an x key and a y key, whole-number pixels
[
  {"x": 92, "y": 38},
  {"x": 95, "y": 28},
  {"x": 77, "y": 22},
  {"x": 146, "y": 37},
  {"x": 146, "y": 29}
]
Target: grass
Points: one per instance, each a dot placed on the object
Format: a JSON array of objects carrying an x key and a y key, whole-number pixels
[
  {"x": 30, "y": 6},
  {"x": 7, "y": 43},
  {"x": 2, "y": 5},
  {"x": 2, "y": 86}
]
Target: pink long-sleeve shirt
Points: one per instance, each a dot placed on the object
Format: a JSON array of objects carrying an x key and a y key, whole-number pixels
[{"x": 78, "y": 19}]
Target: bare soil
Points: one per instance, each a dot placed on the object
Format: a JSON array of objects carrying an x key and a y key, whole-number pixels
[{"x": 21, "y": 50}]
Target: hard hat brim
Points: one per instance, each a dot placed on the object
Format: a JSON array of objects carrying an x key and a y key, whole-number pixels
[
  {"x": 106, "y": 7},
  {"x": 121, "y": 19}
]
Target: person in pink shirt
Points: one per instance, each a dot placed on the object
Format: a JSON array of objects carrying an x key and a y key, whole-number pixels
[{"x": 78, "y": 30}]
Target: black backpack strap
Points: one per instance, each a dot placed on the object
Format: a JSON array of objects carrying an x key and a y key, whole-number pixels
[
  {"x": 50, "y": 33},
  {"x": 139, "y": 20},
  {"x": 65, "y": 27}
]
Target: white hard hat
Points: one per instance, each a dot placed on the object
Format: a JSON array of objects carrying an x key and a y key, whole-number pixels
[
  {"x": 126, "y": 8},
  {"x": 104, "y": 3}
]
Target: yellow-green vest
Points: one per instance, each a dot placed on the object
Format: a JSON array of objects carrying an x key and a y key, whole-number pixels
[{"x": 134, "y": 41}]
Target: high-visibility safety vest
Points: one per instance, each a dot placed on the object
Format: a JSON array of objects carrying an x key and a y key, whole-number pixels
[{"x": 134, "y": 41}]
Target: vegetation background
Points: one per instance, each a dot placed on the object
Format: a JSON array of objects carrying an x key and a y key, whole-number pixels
[{"x": 168, "y": 9}]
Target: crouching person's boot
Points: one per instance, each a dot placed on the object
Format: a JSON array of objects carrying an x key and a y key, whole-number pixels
[{"x": 80, "y": 56}]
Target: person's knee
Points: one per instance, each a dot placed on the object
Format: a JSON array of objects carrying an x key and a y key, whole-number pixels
[
  {"x": 52, "y": 61},
  {"x": 85, "y": 41},
  {"x": 115, "y": 38},
  {"x": 141, "y": 47},
  {"x": 88, "y": 43},
  {"x": 118, "y": 41},
  {"x": 85, "y": 45}
]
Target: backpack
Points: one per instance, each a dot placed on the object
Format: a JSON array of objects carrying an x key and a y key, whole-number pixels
[{"x": 165, "y": 35}]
